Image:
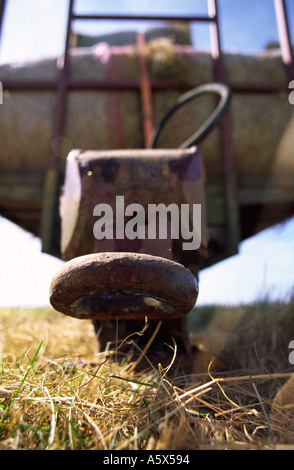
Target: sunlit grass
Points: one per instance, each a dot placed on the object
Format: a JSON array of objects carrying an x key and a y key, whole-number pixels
[{"x": 56, "y": 392}]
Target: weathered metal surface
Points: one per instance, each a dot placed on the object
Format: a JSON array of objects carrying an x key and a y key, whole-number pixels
[
  {"x": 140, "y": 176},
  {"x": 124, "y": 286}
]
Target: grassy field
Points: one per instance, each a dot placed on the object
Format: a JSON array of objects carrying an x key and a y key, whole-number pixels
[{"x": 56, "y": 392}]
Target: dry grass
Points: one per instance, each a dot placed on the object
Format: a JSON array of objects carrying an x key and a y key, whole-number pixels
[{"x": 57, "y": 393}]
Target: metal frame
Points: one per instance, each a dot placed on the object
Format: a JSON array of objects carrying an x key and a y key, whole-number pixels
[{"x": 65, "y": 83}]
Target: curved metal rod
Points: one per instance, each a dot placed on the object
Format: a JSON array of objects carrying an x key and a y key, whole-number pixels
[{"x": 210, "y": 88}]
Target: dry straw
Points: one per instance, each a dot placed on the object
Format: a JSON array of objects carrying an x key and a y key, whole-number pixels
[{"x": 57, "y": 393}]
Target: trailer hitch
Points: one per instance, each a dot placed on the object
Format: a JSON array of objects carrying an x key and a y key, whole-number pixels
[{"x": 120, "y": 285}]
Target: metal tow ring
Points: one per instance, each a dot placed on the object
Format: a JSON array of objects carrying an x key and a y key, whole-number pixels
[{"x": 124, "y": 286}]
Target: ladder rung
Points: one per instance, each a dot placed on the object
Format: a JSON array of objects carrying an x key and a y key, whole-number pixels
[{"x": 143, "y": 18}]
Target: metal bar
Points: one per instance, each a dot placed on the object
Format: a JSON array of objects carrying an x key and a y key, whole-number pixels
[
  {"x": 143, "y": 18},
  {"x": 80, "y": 84},
  {"x": 51, "y": 184},
  {"x": 2, "y": 10},
  {"x": 30, "y": 84},
  {"x": 145, "y": 90},
  {"x": 230, "y": 180},
  {"x": 216, "y": 51},
  {"x": 284, "y": 35},
  {"x": 64, "y": 83},
  {"x": 62, "y": 87}
]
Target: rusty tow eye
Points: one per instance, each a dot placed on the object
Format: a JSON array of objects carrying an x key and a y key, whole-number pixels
[{"x": 123, "y": 285}]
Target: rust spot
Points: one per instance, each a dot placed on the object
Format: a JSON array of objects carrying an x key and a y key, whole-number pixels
[{"x": 187, "y": 168}]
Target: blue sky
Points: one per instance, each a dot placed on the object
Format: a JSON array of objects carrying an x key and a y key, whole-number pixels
[
  {"x": 28, "y": 34},
  {"x": 264, "y": 266}
]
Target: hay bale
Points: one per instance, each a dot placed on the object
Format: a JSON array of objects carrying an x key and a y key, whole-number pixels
[
  {"x": 109, "y": 120},
  {"x": 258, "y": 121}
]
